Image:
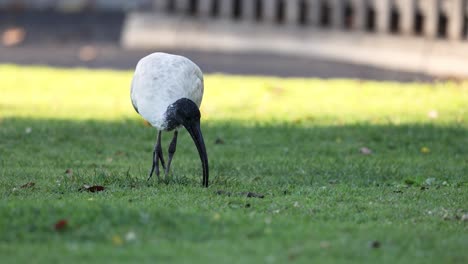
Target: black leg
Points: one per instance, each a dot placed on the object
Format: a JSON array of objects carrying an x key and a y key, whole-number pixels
[
  {"x": 160, "y": 154},
  {"x": 157, "y": 155},
  {"x": 172, "y": 149}
]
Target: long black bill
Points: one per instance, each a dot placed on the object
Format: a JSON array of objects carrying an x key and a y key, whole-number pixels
[{"x": 195, "y": 132}]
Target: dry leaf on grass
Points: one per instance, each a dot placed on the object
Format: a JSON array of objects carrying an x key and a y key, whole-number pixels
[
  {"x": 253, "y": 195},
  {"x": 69, "y": 172},
  {"x": 94, "y": 188},
  {"x": 61, "y": 225},
  {"x": 117, "y": 240},
  {"x": 28, "y": 185},
  {"x": 425, "y": 150},
  {"x": 464, "y": 218},
  {"x": 365, "y": 151},
  {"x": 130, "y": 236}
]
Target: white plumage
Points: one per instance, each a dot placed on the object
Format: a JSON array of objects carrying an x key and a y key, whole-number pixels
[
  {"x": 161, "y": 79},
  {"x": 167, "y": 91}
]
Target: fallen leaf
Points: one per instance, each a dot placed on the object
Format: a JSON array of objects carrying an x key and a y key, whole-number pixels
[
  {"x": 219, "y": 141},
  {"x": 253, "y": 195},
  {"x": 69, "y": 172},
  {"x": 130, "y": 236},
  {"x": 365, "y": 151},
  {"x": 425, "y": 150},
  {"x": 28, "y": 185},
  {"x": 446, "y": 217},
  {"x": 117, "y": 240},
  {"x": 464, "y": 218},
  {"x": 94, "y": 188},
  {"x": 61, "y": 224},
  {"x": 430, "y": 181},
  {"x": 234, "y": 205}
]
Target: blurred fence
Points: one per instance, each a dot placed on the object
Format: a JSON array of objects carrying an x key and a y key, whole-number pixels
[{"x": 430, "y": 18}]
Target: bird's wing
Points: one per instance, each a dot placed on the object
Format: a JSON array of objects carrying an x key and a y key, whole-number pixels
[
  {"x": 161, "y": 79},
  {"x": 197, "y": 84},
  {"x": 132, "y": 98}
]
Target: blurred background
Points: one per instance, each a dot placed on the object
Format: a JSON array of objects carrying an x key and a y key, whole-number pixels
[{"x": 403, "y": 40}]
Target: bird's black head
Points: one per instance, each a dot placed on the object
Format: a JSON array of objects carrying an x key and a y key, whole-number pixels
[
  {"x": 185, "y": 112},
  {"x": 182, "y": 112}
]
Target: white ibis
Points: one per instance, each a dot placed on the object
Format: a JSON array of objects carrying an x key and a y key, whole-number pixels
[{"x": 167, "y": 91}]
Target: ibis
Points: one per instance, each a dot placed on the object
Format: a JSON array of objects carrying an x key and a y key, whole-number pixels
[{"x": 167, "y": 91}]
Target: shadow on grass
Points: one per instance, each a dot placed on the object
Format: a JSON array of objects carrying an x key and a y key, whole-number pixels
[
  {"x": 288, "y": 163},
  {"x": 267, "y": 154}
]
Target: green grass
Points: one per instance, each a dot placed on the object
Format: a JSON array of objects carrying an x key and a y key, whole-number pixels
[{"x": 296, "y": 141}]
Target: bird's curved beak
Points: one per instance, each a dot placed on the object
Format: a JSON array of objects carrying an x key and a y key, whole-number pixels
[{"x": 195, "y": 132}]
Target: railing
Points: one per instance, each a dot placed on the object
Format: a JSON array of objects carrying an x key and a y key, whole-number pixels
[
  {"x": 431, "y": 18},
  {"x": 446, "y": 19}
]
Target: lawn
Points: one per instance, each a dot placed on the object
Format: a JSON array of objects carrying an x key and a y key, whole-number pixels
[{"x": 349, "y": 171}]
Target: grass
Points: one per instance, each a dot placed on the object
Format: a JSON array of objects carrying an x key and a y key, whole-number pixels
[{"x": 295, "y": 141}]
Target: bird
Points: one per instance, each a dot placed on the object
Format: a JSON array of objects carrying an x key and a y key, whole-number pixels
[{"x": 167, "y": 91}]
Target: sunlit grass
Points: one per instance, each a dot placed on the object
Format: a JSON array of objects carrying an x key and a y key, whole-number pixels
[
  {"x": 298, "y": 142},
  {"x": 99, "y": 94}
]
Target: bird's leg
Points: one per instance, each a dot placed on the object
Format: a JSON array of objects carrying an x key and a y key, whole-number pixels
[
  {"x": 172, "y": 149},
  {"x": 160, "y": 153},
  {"x": 157, "y": 155}
]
